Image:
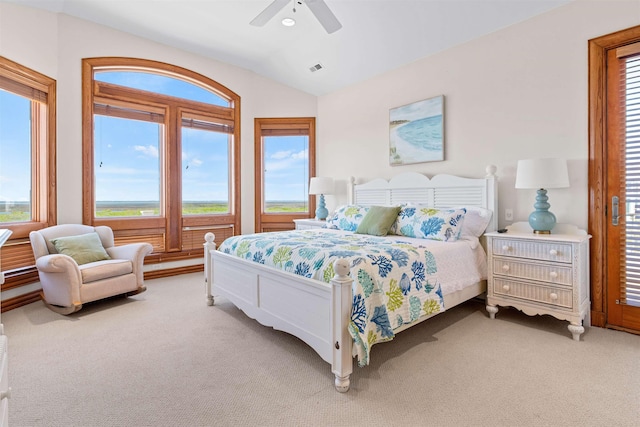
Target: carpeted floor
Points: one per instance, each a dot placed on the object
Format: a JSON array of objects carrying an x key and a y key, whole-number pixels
[{"x": 165, "y": 358}]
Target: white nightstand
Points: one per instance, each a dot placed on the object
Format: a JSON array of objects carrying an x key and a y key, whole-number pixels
[
  {"x": 308, "y": 223},
  {"x": 540, "y": 273}
]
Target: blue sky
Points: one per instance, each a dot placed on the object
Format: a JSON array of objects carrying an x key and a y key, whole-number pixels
[
  {"x": 15, "y": 167},
  {"x": 128, "y": 152}
]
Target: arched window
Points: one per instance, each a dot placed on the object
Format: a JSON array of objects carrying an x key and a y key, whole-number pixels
[{"x": 160, "y": 154}]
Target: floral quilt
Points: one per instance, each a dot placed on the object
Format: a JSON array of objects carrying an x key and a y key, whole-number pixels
[{"x": 395, "y": 282}]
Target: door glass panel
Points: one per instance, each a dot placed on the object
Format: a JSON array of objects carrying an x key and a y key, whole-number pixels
[
  {"x": 205, "y": 172},
  {"x": 127, "y": 167},
  {"x": 15, "y": 158},
  {"x": 286, "y": 174},
  {"x": 630, "y": 294}
]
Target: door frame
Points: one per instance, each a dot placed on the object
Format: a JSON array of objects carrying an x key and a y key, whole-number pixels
[{"x": 597, "y": 222}]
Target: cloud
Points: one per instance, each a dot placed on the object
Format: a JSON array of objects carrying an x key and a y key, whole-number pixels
[
  {"x": 289, "y": 154},
  {"x": 148, "y": 150},
  {"x": 281, "y": 155},
  {"x": 283, "y": 160},
  {"x": 192, "y": 161}
]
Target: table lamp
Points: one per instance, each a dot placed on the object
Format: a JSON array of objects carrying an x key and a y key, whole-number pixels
[
  {"x": 542, "y": 174},
  {"x": 321, "y": 186}
]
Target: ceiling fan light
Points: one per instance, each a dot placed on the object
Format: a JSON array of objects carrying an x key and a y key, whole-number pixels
[{"x": 288, "y": 22}]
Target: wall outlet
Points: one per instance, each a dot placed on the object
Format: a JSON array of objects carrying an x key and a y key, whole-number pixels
[{"x": 508, "y": 214}]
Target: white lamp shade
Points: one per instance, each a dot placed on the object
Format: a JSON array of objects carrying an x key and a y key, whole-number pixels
[
  {"x": 542, "y": 173},
  {"x": 321, "y": 185}
]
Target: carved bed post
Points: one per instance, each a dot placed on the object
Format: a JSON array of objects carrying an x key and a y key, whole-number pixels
[
  {"x": 209, "y": 245},
  {"x": 341, "y": 303}
]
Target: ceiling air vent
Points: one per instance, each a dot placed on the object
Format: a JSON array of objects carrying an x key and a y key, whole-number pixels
[{"x": 316, "y": 68}]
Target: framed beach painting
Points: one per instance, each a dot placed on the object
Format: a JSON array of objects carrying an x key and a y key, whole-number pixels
[{"x": 416, "y": 132}]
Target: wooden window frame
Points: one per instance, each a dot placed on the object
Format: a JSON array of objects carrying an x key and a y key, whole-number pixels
[
  {"x": 285, "y": 127},
  {"x": 170, "y": 231},
  {"x": 17, "y": 257}
]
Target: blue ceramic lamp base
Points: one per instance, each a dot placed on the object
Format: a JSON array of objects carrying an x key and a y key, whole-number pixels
[
  {"x": 541, "y": 220},
  {"x": 322, "y": 212}
]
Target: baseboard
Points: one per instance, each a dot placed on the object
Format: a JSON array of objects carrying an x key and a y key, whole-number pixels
[
  {"x": 20, "y": 300},
  {"x": 156, "y": 274}
]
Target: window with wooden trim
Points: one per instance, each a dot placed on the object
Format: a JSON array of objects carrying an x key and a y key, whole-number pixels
[
  {"x": 161, "y": 154},
  {"x": 27, "y": 162},
  {"x": 285, "y": 161}
]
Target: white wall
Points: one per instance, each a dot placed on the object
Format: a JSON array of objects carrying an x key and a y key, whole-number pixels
[
  {"x": 55, "y": 46},
  {"x": 517, "y": 93}
]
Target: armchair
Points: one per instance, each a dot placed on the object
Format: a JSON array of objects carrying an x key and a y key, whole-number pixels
[{"x": 67, "y": 284}]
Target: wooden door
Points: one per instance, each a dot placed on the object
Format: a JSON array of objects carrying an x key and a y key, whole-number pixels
[
  {"x": 614, "y": 179},
  {"x": 623, "y": 185}
]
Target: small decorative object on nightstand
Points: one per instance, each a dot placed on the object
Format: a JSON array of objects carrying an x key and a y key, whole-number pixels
[
  {"x": 541, "y": 174},
  {"x": 321, "y": 186},
  {"x": 541, "y": 274},
  {"x": 308, "y": 223}
]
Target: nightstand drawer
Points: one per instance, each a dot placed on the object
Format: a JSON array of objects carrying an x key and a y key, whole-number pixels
[
  {"x": 559, "y": 297},
  {"x": 551, "y": 251},
  {"x": 554, "y": 274}
]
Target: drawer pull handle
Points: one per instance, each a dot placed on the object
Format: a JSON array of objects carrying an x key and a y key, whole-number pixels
[
  {"x": 553, "y": 252},
  {"x": 553, "y": 274},
  {"x": 553, "y": 296},
  {"x": 505, "y": 288},
  {"x": 505, "y": 267},
  {"x": 506, "y": 248}
]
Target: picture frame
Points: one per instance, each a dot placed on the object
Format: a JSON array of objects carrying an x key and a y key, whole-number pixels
[{"x": 416, "y": 132}]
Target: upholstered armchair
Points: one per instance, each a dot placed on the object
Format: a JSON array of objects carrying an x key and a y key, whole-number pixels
[{"x": 79, "y": 264}]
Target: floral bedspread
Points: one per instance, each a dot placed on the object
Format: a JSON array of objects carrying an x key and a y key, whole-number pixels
[{"x": 395, "y": 282}]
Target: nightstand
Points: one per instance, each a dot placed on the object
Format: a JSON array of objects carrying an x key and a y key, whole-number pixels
[
  {"x": 540, "y": 273},
  {"x": 308, "y": 223}
]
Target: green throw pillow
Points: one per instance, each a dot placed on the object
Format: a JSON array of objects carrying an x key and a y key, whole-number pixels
[
  {"x": 378, "y": 220},
  {"x": 83, "y": 249}
]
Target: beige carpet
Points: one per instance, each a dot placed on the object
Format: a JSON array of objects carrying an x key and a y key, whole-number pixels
[{"x": 164, "y": 358}]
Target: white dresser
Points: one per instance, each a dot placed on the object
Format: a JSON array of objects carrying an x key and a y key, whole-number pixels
[
  {"x": 5, "y": 390},
  {"x": 541, "y": 273},
  {"x": 307, "y": 223}
]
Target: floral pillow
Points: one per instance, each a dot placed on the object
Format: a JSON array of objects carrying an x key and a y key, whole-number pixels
[
  {"x": 429, "y": 223},
  {"x": 347, "y": 217}
]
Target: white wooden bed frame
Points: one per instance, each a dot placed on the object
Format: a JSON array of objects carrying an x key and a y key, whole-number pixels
[{"x": 316, "y": 312}]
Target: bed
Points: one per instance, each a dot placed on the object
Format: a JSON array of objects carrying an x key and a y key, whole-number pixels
[{"x": 321, "y": 305}]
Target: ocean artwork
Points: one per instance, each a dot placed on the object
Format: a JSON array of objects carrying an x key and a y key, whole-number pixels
[{"x": 416, "y": 132}]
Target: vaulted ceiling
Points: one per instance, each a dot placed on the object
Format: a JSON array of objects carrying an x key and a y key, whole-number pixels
[{"x": 376, "y": 35}]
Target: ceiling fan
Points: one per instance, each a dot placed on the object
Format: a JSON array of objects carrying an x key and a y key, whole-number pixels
[{"x": 318, "y": 7}]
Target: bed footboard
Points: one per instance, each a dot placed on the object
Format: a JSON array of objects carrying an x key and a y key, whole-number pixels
[{"x": 316, "y": 312}]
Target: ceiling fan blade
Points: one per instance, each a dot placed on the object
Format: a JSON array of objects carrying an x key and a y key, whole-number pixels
[
  {"x": 271, "y": 11},
  {"x": 324, "y": 15}
]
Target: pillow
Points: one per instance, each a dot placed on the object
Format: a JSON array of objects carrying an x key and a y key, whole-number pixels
[
  {"x": 83, "y": 249},
  {"x": 476, "y": 221},
  {"x": 378, "y": 220},
  {"x": 347, "y": 217},
  {"x": 429, "y": 223}
]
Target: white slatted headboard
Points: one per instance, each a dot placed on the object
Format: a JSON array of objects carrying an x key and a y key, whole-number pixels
[{"x": 441, "y": 191}]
